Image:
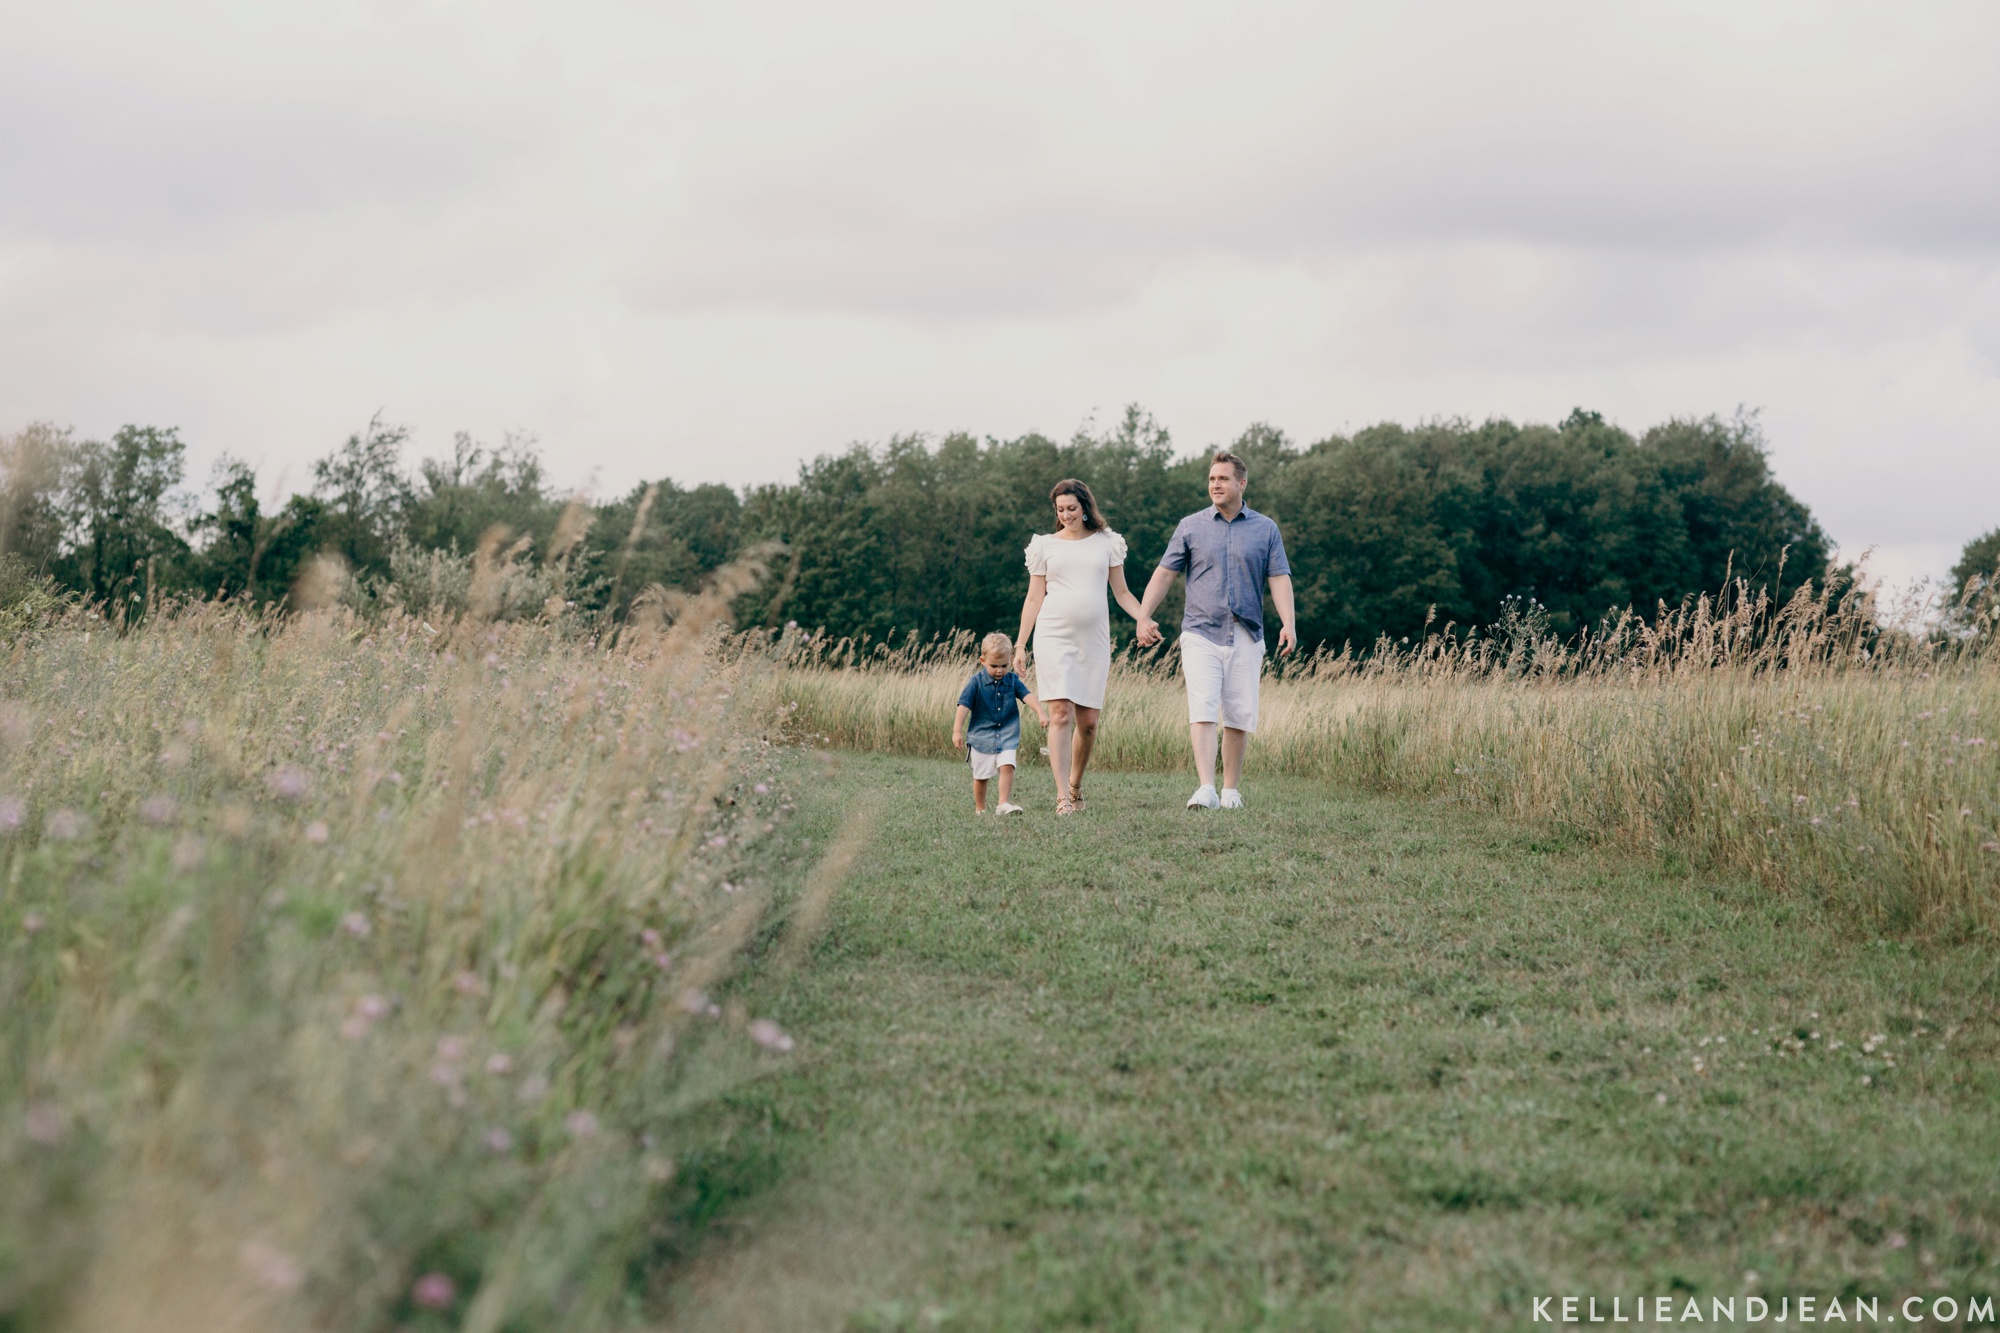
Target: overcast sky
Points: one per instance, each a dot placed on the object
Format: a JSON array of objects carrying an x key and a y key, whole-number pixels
[{"x": 709, "y": 240}]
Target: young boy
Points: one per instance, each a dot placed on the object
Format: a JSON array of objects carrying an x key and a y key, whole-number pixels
[{"x": 989, "y": 721}]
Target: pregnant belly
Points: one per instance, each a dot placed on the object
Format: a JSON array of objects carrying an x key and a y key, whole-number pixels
[{"x": 1075, "y": 614}]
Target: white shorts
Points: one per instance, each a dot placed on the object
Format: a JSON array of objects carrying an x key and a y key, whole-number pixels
[
  {"x": 1222, "y": 682},
  {"x": 986, "y": 766}
]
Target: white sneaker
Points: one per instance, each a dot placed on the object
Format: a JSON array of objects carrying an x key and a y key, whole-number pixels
[
  {"x": 1232, "y": 799},
  {"x": 1203, "y": 798},
  {"x": 1009, "y": 808}
]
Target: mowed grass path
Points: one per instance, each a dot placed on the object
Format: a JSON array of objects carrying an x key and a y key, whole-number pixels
[{"x": 1329, "y": 1062}]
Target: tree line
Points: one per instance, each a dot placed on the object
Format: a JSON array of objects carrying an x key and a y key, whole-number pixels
[{"x": 1390, "y": 530}]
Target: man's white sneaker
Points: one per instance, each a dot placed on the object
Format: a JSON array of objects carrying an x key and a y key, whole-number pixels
[
  {"x": 1232, "y": 799},
  {"x": 1009, "y": 808},
  {"x": 1204, "y": 798}
]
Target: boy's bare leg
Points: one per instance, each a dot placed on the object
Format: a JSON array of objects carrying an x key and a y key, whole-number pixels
[
  {"x": 1006, "y": 784},
  {"x": 1202, "y": 734},
  {"x": 979, "y": 793},
  {"x": 1062, "y": 721},
  {"x": 1083, "y": 743},
  {"x": 1234, "y": 743}
]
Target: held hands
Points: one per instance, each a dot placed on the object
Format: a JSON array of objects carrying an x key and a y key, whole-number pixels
[{"x": 1149, "y": 632}]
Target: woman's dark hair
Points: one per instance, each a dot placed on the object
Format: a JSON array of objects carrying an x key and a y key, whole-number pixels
[{"x": 1092, "y": 520}]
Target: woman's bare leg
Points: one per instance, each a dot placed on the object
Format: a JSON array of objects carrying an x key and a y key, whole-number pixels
[
  {"x": 1062, "y": 720},
  {"x": 1084, "y": 741}
]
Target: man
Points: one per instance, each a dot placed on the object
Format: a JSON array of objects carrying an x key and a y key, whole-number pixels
[{"x": 1230, "y": 553}]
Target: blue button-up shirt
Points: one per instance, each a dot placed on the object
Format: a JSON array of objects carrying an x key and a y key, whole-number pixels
[
  {"x": 1227, "y": 562},
  {"x": 995, "y": 725}
]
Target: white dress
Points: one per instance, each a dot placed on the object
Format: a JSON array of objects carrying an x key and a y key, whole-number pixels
[{"x": 1073, "y": 629}]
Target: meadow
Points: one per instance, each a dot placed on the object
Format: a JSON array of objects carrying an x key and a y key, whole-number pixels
[
  {"x": 417, "y": 970},
  {"x": 1796, "y": 744},
  {"x": 357, "y": 974}
]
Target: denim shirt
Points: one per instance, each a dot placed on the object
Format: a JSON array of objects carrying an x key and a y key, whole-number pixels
[
  {"x": 1227, "y": 562},
  {"x": 995, "y": 725}
]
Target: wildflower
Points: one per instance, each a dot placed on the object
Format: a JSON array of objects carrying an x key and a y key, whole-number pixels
[
  {"x": 451, "y": 1048},
  {"x": 663, "y": 961},
  {"x": 694, "y": 1001},
  {"x": 354, "y": 1027},
  {"x": 499, "y": 1140},
  {"x": 64, "y": 825},
  {"x": 764, "y": 788},
  {"x": 289, "y": 782},
  {"x": 43, "y": 1123},
  {"x": 316, "y": 832},
  {"x": 1659, "y": 1099},
  {"x": 1989, "y": 846},
  {"x": 1798, "y": 800},
  {"x": 1897, "y": 1240},
  {"x": 158, "y": 810},
  {"x": 533, "y": 1088},
  {"x": 434, "y": 1291},
  {"x": 499, "y": 1064},
  {"x": 727, "y": 887},
  {"x": 272, "y": 1267},
  {"x": 581, "y": 1124},
  {"x": 650, "y": 938},
  {"x": 13, "y": 813},
  {"x": 395, "y": 778},
  {"x": 444, "y": 1073},
  {"x": 770, "y": 1036},
  {"x": 467, "y": 983},
  {"x": 1965, "y": 812},
  {"x": 1814, "y": 821},
  {"x": 718, "y": 841},
  {"x": 374, "y": 1008},
  {"x": 357, "y": 925}
]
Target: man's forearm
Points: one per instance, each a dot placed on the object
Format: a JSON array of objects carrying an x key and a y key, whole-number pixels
[{"x": 1281, "y": 595}]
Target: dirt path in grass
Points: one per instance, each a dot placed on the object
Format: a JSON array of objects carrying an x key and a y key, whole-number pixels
[{"x": 1332, "y": 1062}]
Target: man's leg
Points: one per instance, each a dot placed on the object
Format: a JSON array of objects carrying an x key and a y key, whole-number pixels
[
  {"x": 1201, "y": 668},
  {"x": 1234, "y": 742},
  {"x": 1243, "y": 670},
  {"x": 1203, "y": 736}
]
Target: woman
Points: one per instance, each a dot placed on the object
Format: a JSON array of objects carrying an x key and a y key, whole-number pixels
[{"x": 1065, "y": 610}]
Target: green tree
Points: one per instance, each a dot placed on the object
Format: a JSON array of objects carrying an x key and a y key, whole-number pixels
[
  {"x": 365, "y": 495},
  {"x": 121, "y": 509}
]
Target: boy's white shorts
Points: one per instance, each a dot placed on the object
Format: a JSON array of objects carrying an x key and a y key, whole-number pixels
[
  {"x": 986, "y": 766},
  {"x": 1222, "y": 682}
]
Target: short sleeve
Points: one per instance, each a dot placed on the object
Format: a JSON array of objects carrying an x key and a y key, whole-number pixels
[
  {"x": 967, "y": 697},
  {"x": 1038, "y": 559},
  {"x": 1275, "y": 563},
  {"x": 1117, "y": 548},
  {"x": 1175, "y": 557},
  {"x": 1021, "y": 690}
]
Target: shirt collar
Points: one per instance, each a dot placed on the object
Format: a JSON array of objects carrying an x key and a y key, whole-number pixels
[{"x": 1215, "y": 511}]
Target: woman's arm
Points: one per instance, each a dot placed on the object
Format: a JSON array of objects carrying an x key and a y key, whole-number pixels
[
  {"x": 1031, "y": 607},
  {"x": 1123, "y": 596}
]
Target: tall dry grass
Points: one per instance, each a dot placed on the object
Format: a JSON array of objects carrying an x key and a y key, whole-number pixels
[
  {"x": 352, "y": 975},
  {"x": 1804, "y": 744}
]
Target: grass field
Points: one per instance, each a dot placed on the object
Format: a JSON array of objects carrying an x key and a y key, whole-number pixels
[{"x": 1337, "y": 1061}]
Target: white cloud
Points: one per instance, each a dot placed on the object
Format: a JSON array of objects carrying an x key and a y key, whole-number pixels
[{"x": 709, "y": 239}]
